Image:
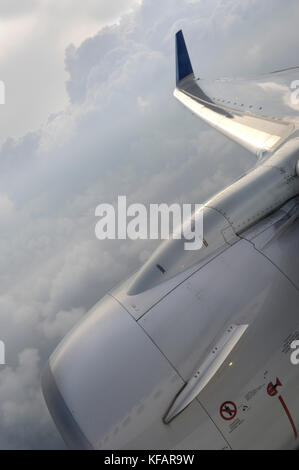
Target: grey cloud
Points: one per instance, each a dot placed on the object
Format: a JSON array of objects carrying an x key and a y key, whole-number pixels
[
  {"x": 14, "y": 8},
  {"x": 122, "y": 133}
]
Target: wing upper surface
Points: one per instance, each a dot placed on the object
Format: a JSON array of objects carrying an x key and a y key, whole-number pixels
[{"x": 259, "y": 113}]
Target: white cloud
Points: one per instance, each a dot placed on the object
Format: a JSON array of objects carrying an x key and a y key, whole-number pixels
[
  {"x": 121, "y": 133},
  {"x": 34, "y": 36},
  {"x": 6, "y": 205}
]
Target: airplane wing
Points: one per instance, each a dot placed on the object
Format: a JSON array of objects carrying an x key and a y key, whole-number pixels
[{"x": 258, "y": 113}]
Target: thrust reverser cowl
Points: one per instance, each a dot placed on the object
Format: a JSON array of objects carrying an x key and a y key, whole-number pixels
[{"x": 107, "y": 387}]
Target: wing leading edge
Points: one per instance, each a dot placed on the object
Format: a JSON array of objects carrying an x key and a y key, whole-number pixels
[{"x": 256, "y": 113}]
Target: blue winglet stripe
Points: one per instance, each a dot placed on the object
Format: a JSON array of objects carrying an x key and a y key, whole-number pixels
[{"x": 183, "y": 64}]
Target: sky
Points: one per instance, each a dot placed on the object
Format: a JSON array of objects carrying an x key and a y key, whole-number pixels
[
  {"x": 35, "y": 34},
  {"x": 90, "y": 115}
]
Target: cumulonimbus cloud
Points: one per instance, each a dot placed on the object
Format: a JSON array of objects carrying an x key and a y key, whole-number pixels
[{"x": 122, "y": 134}]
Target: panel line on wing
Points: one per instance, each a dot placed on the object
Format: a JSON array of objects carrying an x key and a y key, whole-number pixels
[{"x": 252, "y": 132}]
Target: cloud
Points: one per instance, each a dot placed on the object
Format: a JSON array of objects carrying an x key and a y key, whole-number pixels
[
  {"x": 13, "y": 8},
  {"x": 23, "y": 416},
  {"x": 121, "y": 133},
  {"x": 34, "y": 35},
  {"x": 6, "y": 206}
]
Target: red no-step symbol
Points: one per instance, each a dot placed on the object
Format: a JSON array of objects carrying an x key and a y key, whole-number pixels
[
  {"x": 272, "y": 388},
  {"x": 228, "y": 410}
]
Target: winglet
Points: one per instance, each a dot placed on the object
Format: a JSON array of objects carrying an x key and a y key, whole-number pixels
[{"x": 183, "y": 63}]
